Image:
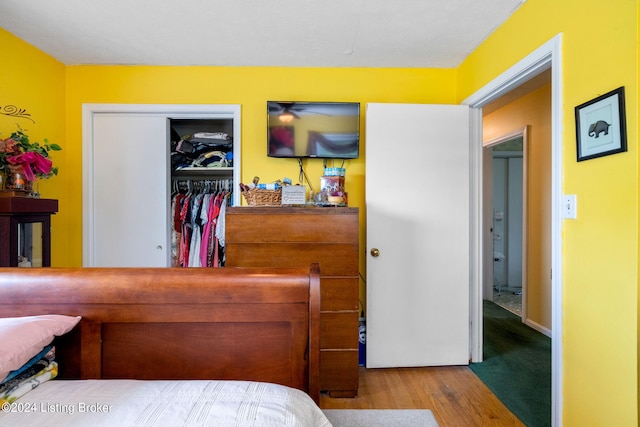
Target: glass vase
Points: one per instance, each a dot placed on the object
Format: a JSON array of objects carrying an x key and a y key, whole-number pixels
[{"x": 15, "y": 179}]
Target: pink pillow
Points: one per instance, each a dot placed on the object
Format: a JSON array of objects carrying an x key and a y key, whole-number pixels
[{"x": 21, "y": 338}]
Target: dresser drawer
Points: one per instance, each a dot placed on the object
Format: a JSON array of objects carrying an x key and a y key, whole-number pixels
[
  {"x": 286, "y": 225},
  {"x": 339, "y": 294},
  {"x": 339, "y": 330},
  {"x": 336, "y": 259},
  {"x": 339, "y": 372}
]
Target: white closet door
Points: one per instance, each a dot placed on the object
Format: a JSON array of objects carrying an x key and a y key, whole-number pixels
[{"x": 130, "y": 191}]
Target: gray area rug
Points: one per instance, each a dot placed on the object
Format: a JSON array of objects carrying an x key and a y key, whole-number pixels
[{"x": 380, "y": 417}]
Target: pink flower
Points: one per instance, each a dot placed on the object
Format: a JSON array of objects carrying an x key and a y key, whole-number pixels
[
  {"x": 9, "y": 146},
  {"x": 32, "y": 164}
]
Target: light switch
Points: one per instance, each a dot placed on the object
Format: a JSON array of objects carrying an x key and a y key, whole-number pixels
[{"x": 569, "y": 208}]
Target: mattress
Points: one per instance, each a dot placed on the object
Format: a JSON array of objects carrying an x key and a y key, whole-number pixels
[{"x": 162, "y": 403}]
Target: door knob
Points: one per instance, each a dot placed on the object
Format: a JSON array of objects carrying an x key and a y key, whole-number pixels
[{"x": 375, "y": 252}]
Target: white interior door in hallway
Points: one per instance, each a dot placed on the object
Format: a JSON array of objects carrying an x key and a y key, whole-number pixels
[
  {"x": 417, "y": 192},
  {"x": 507, "y": 220}
]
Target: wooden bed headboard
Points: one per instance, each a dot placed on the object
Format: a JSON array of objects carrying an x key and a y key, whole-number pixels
[{"x": 259, "y": 324}]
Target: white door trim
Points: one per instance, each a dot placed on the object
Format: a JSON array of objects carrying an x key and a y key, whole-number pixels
[{"x": 547, "y": 56}]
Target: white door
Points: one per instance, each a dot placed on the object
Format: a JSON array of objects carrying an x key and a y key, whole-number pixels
[
  {"x": 418, "y": 273},
  {"x": 500, "y": 217},
  {"x": 130, "y": 191},
  {"x": 508, "y": 219}
]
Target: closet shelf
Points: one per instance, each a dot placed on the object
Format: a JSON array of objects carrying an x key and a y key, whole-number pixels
[{"x": 202, "y": 172}]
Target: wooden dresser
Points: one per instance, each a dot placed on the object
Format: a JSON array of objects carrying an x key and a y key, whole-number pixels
[{"x": 296, "y": 237}]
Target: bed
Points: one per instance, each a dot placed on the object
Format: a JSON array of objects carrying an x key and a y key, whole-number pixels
[{"x": 145, "y": 346}]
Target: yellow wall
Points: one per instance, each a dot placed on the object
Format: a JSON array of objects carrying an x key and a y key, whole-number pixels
[
  {"x": 34, "y": 81},
  {"x": 251, "y": 87},
  {"x": 600, "y": 247},
  {"x": 534, "y": 111}
]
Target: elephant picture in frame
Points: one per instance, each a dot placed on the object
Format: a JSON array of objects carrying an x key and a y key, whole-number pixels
[{"x": 601, "y": 126}]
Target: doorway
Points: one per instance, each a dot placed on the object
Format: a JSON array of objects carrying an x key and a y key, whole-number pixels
[
  {"x": 546, "y": 57},
  {"x": 517, "y": 235},
  {"x": 517, "y": 205},
  {"x": 505, "y": 204}
]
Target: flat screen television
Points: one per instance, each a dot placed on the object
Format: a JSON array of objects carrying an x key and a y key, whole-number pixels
[{"x": 326, "y": 130}]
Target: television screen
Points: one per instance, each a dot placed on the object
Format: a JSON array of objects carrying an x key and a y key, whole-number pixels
[{"x": 328, "y": 130}]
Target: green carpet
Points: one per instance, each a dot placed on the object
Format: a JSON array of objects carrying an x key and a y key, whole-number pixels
[{"x": 516, "y": 366}]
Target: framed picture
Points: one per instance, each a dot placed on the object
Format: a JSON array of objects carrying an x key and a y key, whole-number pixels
[{"x": 601, "y": 126}]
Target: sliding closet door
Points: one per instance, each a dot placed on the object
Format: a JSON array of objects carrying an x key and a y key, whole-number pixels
[{"x": 129, "y": 191}]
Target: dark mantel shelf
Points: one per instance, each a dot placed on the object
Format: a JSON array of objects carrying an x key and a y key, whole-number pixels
[{"x": 27, "y": 205}]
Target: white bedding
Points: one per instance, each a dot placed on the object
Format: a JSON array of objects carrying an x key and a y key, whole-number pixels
[{"x": 162, "y": 403}]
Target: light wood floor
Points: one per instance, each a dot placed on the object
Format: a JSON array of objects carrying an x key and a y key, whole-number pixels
[{"x": 454, "y": 394}]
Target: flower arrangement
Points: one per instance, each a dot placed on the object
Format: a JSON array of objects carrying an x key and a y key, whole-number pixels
[{"x": 19, "y": 155}]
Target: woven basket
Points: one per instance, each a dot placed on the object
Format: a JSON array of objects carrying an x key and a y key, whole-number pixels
[{"x": 256, "y": 197}]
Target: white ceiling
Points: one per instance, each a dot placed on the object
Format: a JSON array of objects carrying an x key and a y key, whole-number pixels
[{"x": 292, "y": 33}]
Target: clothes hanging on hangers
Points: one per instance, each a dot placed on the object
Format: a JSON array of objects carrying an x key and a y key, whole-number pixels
[{"x": 198, "y": 209}]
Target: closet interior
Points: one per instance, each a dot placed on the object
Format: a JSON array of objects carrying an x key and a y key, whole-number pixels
[{"x": 202, "y": 164}]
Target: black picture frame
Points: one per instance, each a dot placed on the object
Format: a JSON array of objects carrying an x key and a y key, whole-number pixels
[{"x": 601, "y": 126}]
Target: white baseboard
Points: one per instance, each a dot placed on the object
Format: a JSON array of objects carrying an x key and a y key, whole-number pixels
[{"x": 538, "y": 327}]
